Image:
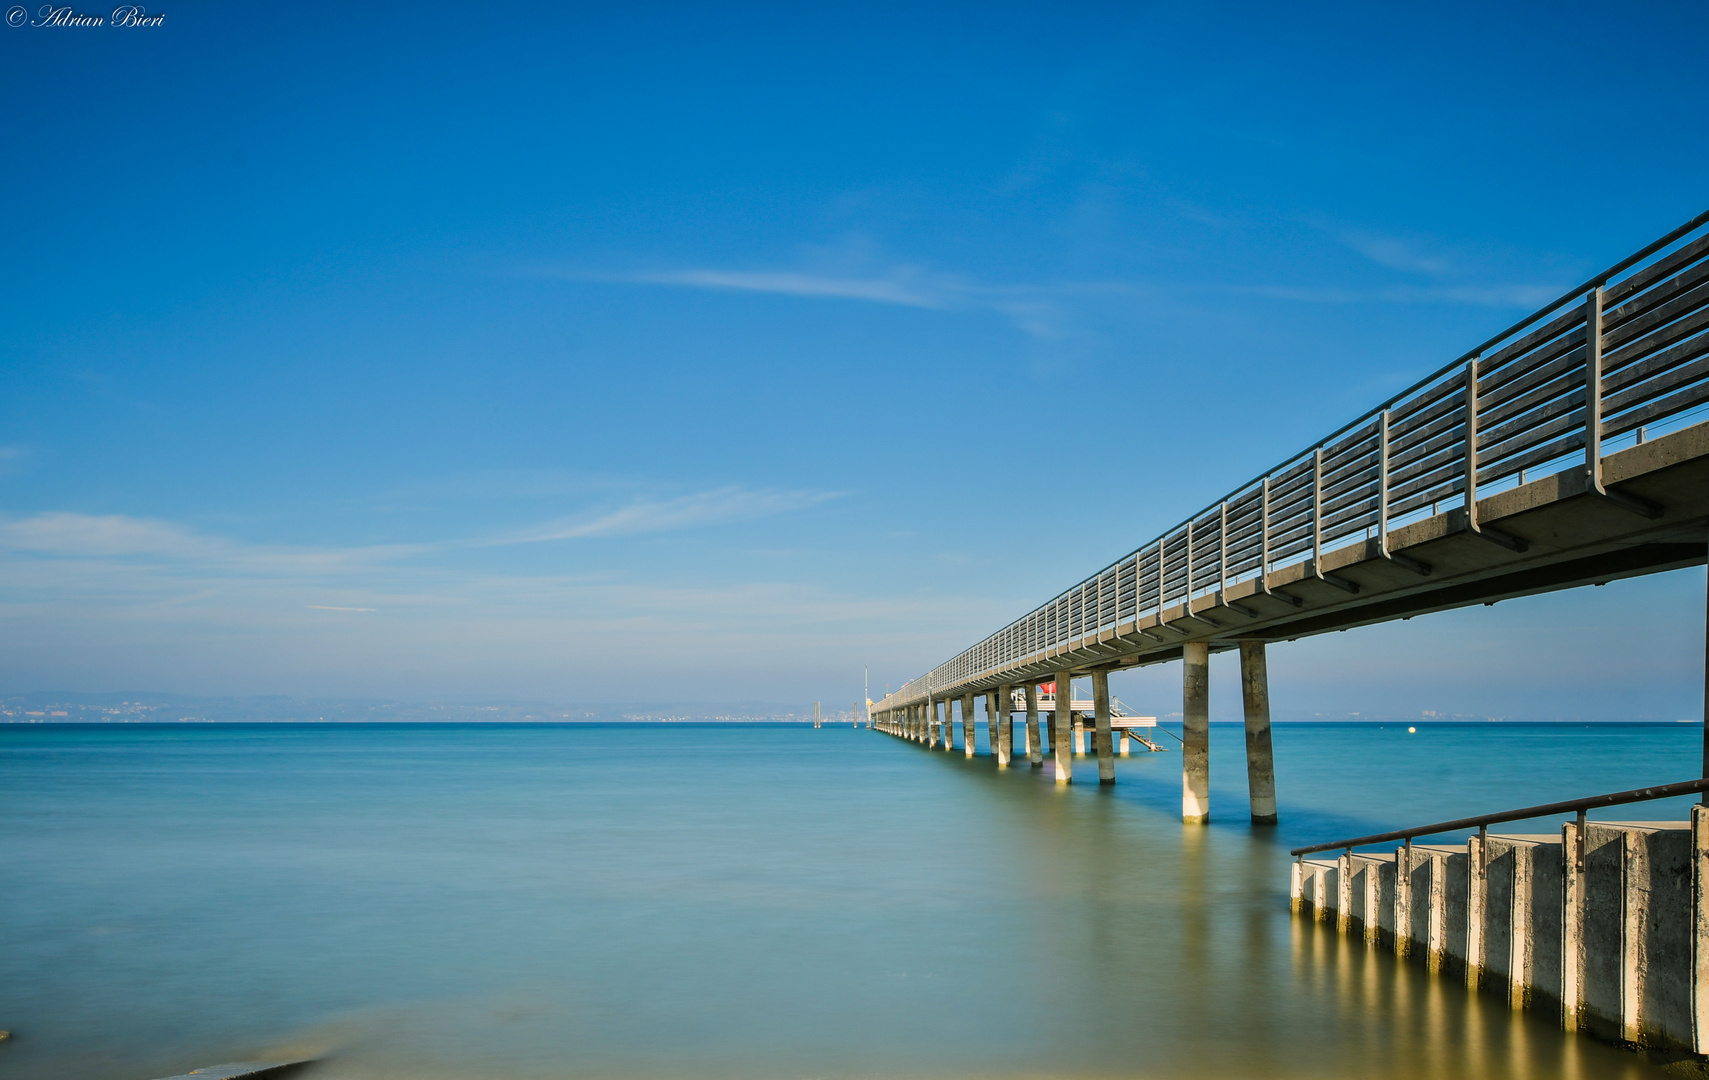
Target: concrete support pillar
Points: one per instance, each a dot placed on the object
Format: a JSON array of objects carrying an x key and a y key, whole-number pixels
[
  {"x": 1572, "y": 926},
  {"x": 1101, "y": 716},
  {"x": 1079, "y": 736},
  {"x": 1477, "y": 907},
  {"x": 1403, "y": 901},
  {"x": 1035, "y": 749},
  {"x": 1061, "y": 724},
  {"x": 1700, "y": 929},
  {"x": 1123, "y": 743},
  {"x": 997, "y": 715},
  {"x": 1195, "y": 733},
  {"x": 1260, "y": 759},
  {"x": 967, "y": 730}
]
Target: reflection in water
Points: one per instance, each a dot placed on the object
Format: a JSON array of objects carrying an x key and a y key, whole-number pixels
[{"x": 671, "y": 902}]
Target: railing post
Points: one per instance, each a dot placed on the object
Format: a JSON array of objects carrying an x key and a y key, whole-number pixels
[
  {"x": 1383, "y": 484},
  {"x": 1160, "y": 565},
  {"x": 1471, "y": 425},
  {"x": 1593, "y": 389},
  {"x": 1264, "y": 536},
  {"x": 1317, "y": 512},
  {"x": 1187, "y": 586},
  {"x": 1222, "y": 551}
]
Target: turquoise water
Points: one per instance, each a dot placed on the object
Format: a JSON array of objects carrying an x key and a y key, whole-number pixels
[{"x": 742, "y": 900}]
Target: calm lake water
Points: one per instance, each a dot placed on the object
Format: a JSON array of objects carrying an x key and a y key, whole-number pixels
[{"x": 735, "y": 901}]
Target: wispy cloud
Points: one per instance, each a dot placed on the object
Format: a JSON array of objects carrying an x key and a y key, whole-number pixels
[
  {"x": 900, "y": 289},
  {"x": 70, "y": 535},
  {"x": 717, "y": 507},
  {"x": 1036, "y": 310},
  {"x": 1396, "y": 253},
  {"x": 67, "y": 535},
  {"x": 1063, "y": 311},
  {"x": 329, "y": 607},
  {"x": 1497, "y": 296}
]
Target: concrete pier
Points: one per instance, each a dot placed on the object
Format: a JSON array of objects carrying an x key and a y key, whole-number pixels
[
  {"x": 1260, "y": 758},
  {"x": 1101, "y": 717},
  {"x": 1195, "y": 733},
  {"x": 997, "y": 715},
  {"x": 968, "y": 738},
  {"x": 1062, "y": 729},
  {"x": 1035, "y": 749},
  {"x": 1616, "y": 947}
]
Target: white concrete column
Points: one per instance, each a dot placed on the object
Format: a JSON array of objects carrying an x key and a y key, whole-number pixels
[
  {"x": 997, "y": 715},
  {"x": 1101, "y": 714},
  {"x": 1260, "y": 759},
  {"x": 1195, "y": 733},
  {"x": 969, "y": 733},
  {"x": 1035, "y": 749},
  {"x": 1572, "y": 927},
  {"x": 1477, "y": 906},
  {"x": 1700, "y": 929},
  {"x": 1124, "y": 742},
  {"x": 1064, "y": 749},
  {"x": 1403, "y": 863},
  {"x": 1079, "y": 736}
]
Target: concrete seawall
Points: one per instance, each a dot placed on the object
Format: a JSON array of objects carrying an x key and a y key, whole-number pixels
[{"x": 1611, "y": 938}]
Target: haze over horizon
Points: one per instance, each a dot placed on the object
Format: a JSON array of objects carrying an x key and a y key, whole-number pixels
[{"x": 710, "y": 356}]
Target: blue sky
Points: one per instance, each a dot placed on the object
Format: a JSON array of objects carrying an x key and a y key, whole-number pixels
[{"x": 705, "y": 353}]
